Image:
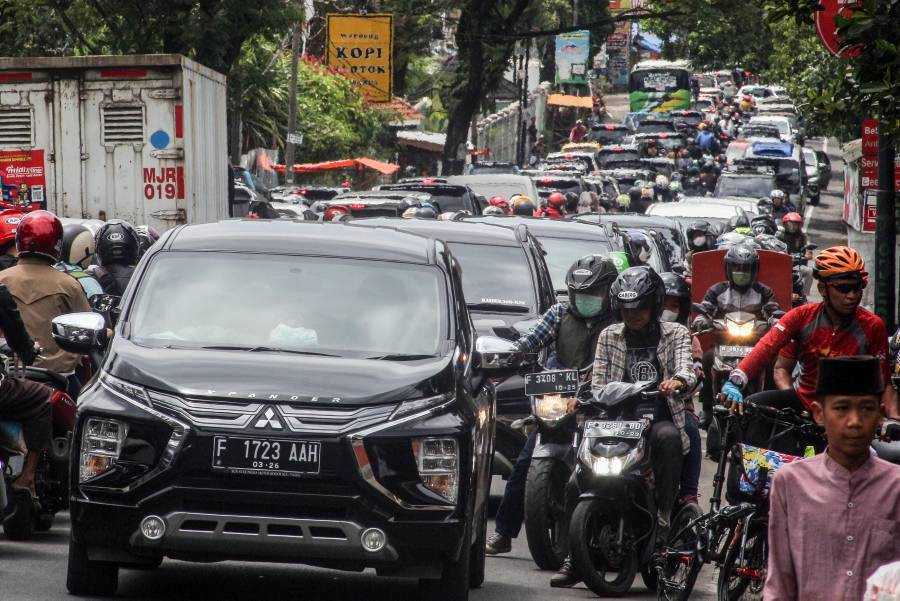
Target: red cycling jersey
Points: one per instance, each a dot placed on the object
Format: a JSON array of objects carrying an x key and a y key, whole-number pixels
[{"x": 807, "y": 334}]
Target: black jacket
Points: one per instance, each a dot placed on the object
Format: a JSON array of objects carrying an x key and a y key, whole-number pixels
[
  {"x": 723, "y": 298},
  {"x": 14, "y": 329},
  {"x": 114, "y": 277}
]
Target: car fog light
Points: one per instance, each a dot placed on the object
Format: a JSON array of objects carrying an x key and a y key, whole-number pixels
[
  {"x": 153, "y": 527},
  {"x": 373, "y": 539}
]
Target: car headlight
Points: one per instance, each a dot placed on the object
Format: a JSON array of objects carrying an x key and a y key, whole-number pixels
[
  {"x": 130, "y": 392},
  {"x": 550, "y": 407},
  {"x": 417, "y": 405},
  {"x": 437, "y": 460},
  {"x": 739, "y": 330},
  {"x": 101, "y": 445}
]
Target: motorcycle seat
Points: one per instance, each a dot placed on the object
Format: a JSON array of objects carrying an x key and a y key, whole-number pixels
[{"x": 889, "y": 451}]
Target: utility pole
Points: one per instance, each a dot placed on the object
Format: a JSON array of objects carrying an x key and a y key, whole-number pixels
[
  {"x": 292, "y": 108},
  {"x": 886, "y": 235},
  {"x": 522, "y": 149}
]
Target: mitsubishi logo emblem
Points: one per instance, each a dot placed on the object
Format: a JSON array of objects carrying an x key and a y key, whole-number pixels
[{"x": 268, "y": 418}]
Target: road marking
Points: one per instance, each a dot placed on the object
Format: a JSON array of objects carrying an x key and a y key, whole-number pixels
[{"x": 807, "y": 218}]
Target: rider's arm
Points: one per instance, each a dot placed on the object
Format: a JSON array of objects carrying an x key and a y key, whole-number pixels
[
  {"x": 14, "y": 328},
  {"x": 544, "y": 332},
  {"x": 879, "y": 348},
  {"x": 600, "y": 372},
  {"x": 769, "y": 345},
  {"x": 684, "y": 360},
  {"x": 781, "y": 577},
  {"x": 770, "y": 306},
  {"x": 784, "y": 367},
  {"x": 709, "y": 306}
]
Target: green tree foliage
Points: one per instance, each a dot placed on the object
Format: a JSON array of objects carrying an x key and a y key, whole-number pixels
[
  {"x": 872, "y": 77},
  {"x": 715, "y": 34}
]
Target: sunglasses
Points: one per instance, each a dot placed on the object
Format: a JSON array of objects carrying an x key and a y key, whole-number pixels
[{"x": 848, "y": 288}]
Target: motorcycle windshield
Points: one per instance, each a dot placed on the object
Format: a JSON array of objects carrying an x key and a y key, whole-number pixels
[{"x": 615, "y": 392}]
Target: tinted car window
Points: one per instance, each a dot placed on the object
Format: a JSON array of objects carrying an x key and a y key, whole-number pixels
[
  {"x": 654, "y": 128},
  {"x": 757, "y": 187},
  {"x": 180, "y": 304},
  {"x": 606, "y": 158},
  {"x": 495, "y": 277},
  {"x": 607, "y": 136},
  {"x": 563, "y": 252}
]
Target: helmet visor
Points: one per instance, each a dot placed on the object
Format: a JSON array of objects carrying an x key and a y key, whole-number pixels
[{"x": 589, "y": 305}]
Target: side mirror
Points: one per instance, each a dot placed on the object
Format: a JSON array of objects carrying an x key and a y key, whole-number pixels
[
  {"x": 80, "y": 333},
  {"x": 497, "y": 354}
]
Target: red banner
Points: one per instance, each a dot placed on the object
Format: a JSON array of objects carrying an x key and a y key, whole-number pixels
[
  {"x": 19, "y": 167},
  {"x": 870, "y": 137}
]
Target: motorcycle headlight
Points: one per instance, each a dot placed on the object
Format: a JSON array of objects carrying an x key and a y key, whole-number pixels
[
  {"x": 739, "y": 330},
  {"x": 550, "y": 407},
  {"x": 610, "y": 466}
]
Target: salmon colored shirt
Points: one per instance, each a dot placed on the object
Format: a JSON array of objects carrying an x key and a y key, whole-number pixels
[{"x": 830, "y": 529}]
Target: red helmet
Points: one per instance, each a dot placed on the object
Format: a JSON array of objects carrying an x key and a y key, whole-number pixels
[
  {"x": 557, "y": 200},
  {"x": 9, "y": 221},
  {"x": 499, "y": 201},
  {"x": 792, "y": 218},
  {"x": 40, "y": 233}
]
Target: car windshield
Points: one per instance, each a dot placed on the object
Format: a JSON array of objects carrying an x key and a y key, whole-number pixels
[
  {"x": 607, "y": 136},
  {"x": 563, "y": 252},
  {"x": 606, "y": 158},
  {"x": 298, "y": 304},
  {"x": 495, "y": 278},
  {"x": 783, "y": 125},
  {"x": 654, "y": 128},
  {"x": 756, "y": 187},
  {"x": 498, "y": 187}
]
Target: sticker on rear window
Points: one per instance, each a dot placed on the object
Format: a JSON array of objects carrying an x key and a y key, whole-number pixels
[{"x": 503, "y": 301}]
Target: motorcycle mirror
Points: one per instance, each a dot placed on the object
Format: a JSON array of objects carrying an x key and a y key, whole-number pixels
[{"x": 80, "y": 333}]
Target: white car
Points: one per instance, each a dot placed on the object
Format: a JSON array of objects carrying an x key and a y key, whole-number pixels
[
  {"x": 785, "y": 128},
  {"x": 703, "y": 207}
]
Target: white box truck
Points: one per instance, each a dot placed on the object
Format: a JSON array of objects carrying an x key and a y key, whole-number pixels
[{"x": 141, "y": 137}]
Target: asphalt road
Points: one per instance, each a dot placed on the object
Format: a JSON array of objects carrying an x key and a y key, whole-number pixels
[{"x": 35, "y": 571}]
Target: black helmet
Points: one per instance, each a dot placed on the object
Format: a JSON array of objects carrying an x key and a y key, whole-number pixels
[
  {"x": 426, "y": 213},
  {"x": 729, "y": 239},
  {"x": 77, "y": 245},
  {"x": 741, "y": 265},
  {"x": 590, "y": 276},
  {"x": 763, "y": 224},
  {"x": 525, "y": 209},
  {"x": 118, "y": 242},
  {"x": 148, "y": 236},
  {"x": 676, "y": 287},
  {"x": 637, "y": 288},
  {"x": 696, "y": 231},
  {"x": 638, "y": 248}
]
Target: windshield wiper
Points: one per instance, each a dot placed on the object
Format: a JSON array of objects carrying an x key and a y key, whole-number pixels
[
  {"x": 499, "y": 307},
  {"x": 271, "y": 349},
  {"x": 400, "y": 357}
]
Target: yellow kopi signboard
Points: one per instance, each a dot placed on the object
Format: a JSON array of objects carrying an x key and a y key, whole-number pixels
[{"x": 361, "y": 47}]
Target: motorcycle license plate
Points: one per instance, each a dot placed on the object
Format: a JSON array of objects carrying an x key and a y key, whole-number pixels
[
  {"x": 734, "y": 351},
  {"x": 552, "y": 382},
  {"x": 266, "y": 456},
  {"x": 600, "y": 429}
]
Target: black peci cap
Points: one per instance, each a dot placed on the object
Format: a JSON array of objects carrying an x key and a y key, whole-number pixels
[{"x": 857, "y": 375}]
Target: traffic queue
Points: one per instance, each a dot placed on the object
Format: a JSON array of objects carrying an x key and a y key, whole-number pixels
[{"x": 334, "y": 379}]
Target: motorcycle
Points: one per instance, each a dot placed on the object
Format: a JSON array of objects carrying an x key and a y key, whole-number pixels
[
  {"x": 735, "y": 335},
  {"x": 24, "y": 514},
  {"x": 612, "y": 532},
  {"x": 553, "y": 395}
]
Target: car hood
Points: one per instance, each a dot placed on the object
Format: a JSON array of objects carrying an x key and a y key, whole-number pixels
[{"x": 278, "y": 376}]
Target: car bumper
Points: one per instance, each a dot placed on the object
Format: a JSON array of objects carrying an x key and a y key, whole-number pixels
[{"x": 415, "y": 548}]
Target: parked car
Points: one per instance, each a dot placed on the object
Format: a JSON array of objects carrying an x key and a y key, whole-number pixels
[{"x": 291, "y": 435}]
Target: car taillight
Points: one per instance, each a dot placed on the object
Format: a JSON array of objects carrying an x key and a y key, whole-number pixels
[
  {"x": 101, "y": 445},
  {"x": 437, "y": 460},
  {"x": 357, "y": 206}
]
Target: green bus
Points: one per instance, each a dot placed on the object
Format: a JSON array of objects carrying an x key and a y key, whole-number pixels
[{"x": 659, "y": 86}]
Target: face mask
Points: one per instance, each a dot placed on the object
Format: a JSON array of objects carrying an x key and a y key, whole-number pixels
[
  {"x": 587, "y": 305},
  {"x": 700, "y": 241},
  {"x": 740, "y": 278},
  {"x": 288, "y": 337},
  {"x": 668, "y": 315}
]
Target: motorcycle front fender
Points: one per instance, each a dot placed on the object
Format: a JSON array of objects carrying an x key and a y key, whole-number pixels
[{"x": 563, "y": 452}]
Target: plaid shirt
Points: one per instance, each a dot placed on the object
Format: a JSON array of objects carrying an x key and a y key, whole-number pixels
[
  {"x": 674, "y": 352},
  {"x": 544, "y": 332}
]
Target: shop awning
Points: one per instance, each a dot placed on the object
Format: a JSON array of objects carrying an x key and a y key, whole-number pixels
[
  {"x": 360, "y": 163},
  {"x": 580, "y": 102}
]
